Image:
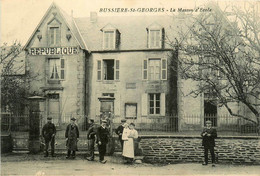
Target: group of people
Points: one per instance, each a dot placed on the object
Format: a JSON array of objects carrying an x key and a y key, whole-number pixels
[
  {"x": 127, "y": 135},
  {"x": 95, "y": 135}
]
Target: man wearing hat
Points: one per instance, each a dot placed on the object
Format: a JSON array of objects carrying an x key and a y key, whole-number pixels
[
  {"x": 91, "y": 135},
  {"x": 119, "y": 132},
  {"x": 72, "y": 135},
  {"x": 208, "y": 141},
  {"x": 102, "y": 140},
  {"x": 48, "y": 133}
]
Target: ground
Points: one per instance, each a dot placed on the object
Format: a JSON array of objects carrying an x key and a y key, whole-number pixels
[{"x": 27, "y": 164}]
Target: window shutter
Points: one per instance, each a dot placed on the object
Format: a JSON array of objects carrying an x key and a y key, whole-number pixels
[
  {"x": 162, "y": 99},
  {"x": 144, "y": 104},
  {"x": 117, "y": 39},
  {"x": 117, "y": 69},
  {"x": 163, "y": 37},
  {"x": 47, "y": 73},
  {"x": 99, "y": 72},
  {"x": 62, "y": 68},
  {"x": 164, "y": 69},
  {"x": 145, "y": 69}
]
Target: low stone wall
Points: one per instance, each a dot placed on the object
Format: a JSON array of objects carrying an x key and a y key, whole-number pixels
[
  {"x": 176, "y": 149},
  {"x": 6, "y": 143}
]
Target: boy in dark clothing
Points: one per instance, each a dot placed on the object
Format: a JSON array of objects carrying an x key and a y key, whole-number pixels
[
  {"x": 119, "y": 132},
  {"x": 72, "y": 135},
  {"x": 102, "y": 140},
  {"x": 48, "y": 133},
  {"x": 208, "y": 141},
  {"x": 91, "y": 136}
]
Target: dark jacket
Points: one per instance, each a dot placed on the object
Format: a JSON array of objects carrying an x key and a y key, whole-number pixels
[
  {"x": 102, "y": 135},
  {"x": 72, "y": 133},
  {"x": 119, "y": 131},
  {"x": 91, "y": 132},
  {"x": 48, "y": 130},
  {"x": 209, "y": 141}
]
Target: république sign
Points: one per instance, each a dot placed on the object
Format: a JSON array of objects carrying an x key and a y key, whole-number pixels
[{"x": 53, "y": 51}]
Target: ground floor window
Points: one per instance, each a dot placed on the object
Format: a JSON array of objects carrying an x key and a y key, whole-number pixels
[{"x": 154, "y": 103}]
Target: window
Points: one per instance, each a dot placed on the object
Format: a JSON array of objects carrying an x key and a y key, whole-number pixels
[
  {"x": 155, "y": 39},
  {"x": 109, "y": 68},
  {"x": 155, "y": 69},
  {"x": 154, "y": 103},
  {"x": 109, "y": 39},
  {"x": 54, "y": 35},
  {"x": 57, "y": 69},
  {"x": 131, "y": 110}
]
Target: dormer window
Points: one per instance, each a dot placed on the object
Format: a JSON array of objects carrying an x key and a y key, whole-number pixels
[
  {"x": 109, "y": 40},
  {"x": 155, "y": 36},
  {"x": 111, "y": 37}
]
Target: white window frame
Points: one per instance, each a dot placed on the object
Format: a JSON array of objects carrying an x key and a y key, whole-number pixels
[
  {"x": 150, "y": 40},
  {"x": 59, "y": 69},
  {"x": 147, "y": 70},
  {"x": 113, "y": 38},
  {"x": 154, "y": 101},
  {"x": 101, "y": 70}
]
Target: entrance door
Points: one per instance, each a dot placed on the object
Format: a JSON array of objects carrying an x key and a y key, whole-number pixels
[
  {"x": 54, "y": 108},
  {"x": 210, "y": 113}
]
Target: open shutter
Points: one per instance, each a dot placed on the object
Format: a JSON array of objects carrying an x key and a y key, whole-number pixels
[
  {"x": 164, "y": 69},
  {"x": 62, "y": 69},
  {"x": 144, "y": 104},
  {"x": 117, "y": 39},
  {"x": 163, "y": 37},
  {"x": 99, "y": 70},
  {"x": 145, "y": 69},
  {"x": 162, "y": 99},
  {"x": 117, "y": 70}
]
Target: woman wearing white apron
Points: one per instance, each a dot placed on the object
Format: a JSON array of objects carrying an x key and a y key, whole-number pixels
[{"x": 129, "y": 134}]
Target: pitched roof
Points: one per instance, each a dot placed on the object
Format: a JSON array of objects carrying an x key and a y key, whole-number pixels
[
  {"x": 70, "y": 23},
  {"x": 133, "y": 30}
]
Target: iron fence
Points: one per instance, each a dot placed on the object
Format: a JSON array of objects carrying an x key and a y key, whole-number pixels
[{"x": 11, "y": 122}]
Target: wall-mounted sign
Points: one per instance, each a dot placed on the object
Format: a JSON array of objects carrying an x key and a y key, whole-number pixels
[{"x": 53, "y": 51}]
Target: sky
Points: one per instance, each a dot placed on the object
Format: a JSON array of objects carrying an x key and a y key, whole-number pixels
[{"x": 19, "y": 18}]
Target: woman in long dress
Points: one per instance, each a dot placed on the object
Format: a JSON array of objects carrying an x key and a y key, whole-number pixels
[{"x": 129, "y": 134}]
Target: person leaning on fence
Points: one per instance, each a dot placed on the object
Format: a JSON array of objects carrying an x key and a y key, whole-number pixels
[
  {"x": 208, "y": 141},
  {"x": 129, "y": 134},
  {"x": 119, "y": 132},
  {"x": 102, "y": 140},
  {"x": 48, "y": 133},
  {"x": 91, "y": 136},
  {"x": 72, "y": 135}
]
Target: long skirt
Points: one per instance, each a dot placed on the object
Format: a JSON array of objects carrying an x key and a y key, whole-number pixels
[{"x": 128, "y": 149}]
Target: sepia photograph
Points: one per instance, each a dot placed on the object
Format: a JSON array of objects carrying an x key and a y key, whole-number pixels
[{"x": 130, "y": 87}]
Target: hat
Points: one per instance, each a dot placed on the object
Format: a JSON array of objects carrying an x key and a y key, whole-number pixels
[
  {"x": 92, "y": 120},
  {"x": 73, "y": 118},
  {"x": 123, "y": 120},
  {"x": 104, "y": 121},
  {"x": 125, "y": 125},
  {"x": 208, "y": 121},
  {"x": 49, "y": 118}
]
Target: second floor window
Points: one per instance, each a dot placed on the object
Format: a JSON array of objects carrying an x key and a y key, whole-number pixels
[
  {"x": 155, "y": 69},
  {"x": 108, "y": 69},
  {"x": 54, "y": 35},
  {"x": 56, "y": 69}
]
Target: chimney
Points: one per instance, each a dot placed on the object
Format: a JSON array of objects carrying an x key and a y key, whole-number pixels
[{"x": 93, "y": 17}]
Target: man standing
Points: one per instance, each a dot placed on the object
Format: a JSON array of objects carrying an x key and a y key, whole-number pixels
[
  {"x": 208, "y": 141},
  {"x": 119, "y": 132},
  {"x": 72, "y": 135},
  {"x": 102, "y": 140},
  {"x": 48, "y": 133},
  {"x": 91, "y": 135}
]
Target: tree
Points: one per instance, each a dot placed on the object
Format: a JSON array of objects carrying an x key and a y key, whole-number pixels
[
  {"x": 14, "y": 89},
  {"x": 221, "y": 52}
]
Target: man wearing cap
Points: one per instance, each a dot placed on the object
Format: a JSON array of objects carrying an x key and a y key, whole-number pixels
[
  {"x": 119, "y": 132},
  {"x": 72, "y": 135},
  {"x": 208, "y": 141},
  {"x": 102, "y": 140},
  {"x": 91, "y": 135},
  {"x": 48, "y": 133}
]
